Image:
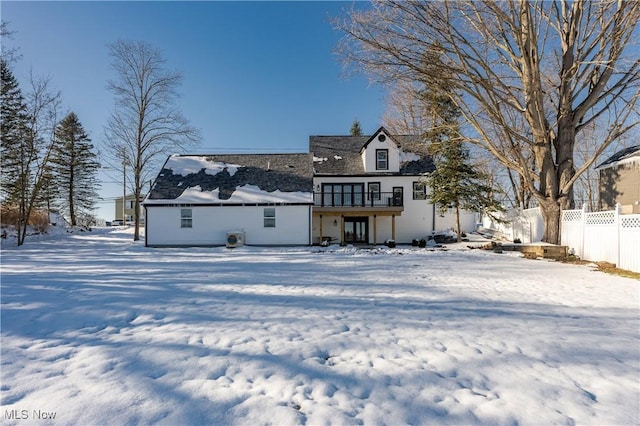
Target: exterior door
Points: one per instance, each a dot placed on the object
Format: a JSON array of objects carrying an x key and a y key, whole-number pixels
[{"x": 356, "y": 230}]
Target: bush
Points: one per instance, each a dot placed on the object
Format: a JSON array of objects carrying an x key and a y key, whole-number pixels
[
  {"x": 39, "y": 219},
  {"x": 9, "y": 215}
]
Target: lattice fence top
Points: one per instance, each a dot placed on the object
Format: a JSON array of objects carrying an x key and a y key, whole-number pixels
[
  {"x": 572, "y": 215},
  {"x": 630, "y": 221},
  {"x": 601, "y": 218}
]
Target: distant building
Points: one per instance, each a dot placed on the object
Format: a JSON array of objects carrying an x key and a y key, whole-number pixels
[
  {"x": 619, "y": 181},
  {"x": 128, "y": 209}
]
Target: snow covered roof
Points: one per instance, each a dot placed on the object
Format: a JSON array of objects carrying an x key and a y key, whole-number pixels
[
  {"x": 623, "y": 156},
  {"x": 234, "y": 179},
  {"x": 341, "y": 155}
]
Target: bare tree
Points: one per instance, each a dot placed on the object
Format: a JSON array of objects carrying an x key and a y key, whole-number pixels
[
  {"x": 146, "y": 124},
  {"x": 27, "y": 153},
  {"x": 406, "y": 112},
  {"x": 556, "y": 66},
  {"x": 8, "y": 54}
]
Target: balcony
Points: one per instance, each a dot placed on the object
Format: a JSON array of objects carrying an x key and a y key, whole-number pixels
[{"x": 358, "y": 201}]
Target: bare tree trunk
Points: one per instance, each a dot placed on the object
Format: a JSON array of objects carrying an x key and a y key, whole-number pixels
[
  {"x": 43, "y": 112},
  {"x": 146, "y": 125},
  {"x": 528, "y": 76},
  {"x": 72, "y": 208},
  {"x": 136, "y": 204},
  {"x": 458, "y": 223}
]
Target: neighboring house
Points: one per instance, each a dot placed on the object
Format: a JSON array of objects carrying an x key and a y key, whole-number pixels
[
  {"x": 199, "y": 200},
  {"x": 348, "y": 189},
  {"x": 619, "y": 181},
  {"x": 128, "y": 209}
]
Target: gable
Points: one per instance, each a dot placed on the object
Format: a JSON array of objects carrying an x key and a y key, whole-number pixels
[
  {"x": 380, "y": 136},
  {"x": 342, "y": 155},
  {"x": 234, "y": 179},
  {"x": 381, "y": 153}
]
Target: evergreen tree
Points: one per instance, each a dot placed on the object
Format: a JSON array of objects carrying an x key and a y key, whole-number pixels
[
  {"x": 27, "y": 128},
  {"x": 74, "y": 168},
  {"x": 15, "y": 142},
  {"x": 356, "y": 130},
  {"x": 455, "y": 183}
]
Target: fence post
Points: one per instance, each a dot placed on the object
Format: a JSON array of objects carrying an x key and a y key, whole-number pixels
[{"x": 617, "y": 222}]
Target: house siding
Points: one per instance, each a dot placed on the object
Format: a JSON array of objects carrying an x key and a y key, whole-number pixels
[
  {"x": 418, "y": 219},
  {"x": 369, "y": 155},
  {"x": 211, "y": 224},
  {"x": 621, "y": 184}
]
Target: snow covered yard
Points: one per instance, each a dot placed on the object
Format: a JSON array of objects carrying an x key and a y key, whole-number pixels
[{"x": 97, "y": 329}]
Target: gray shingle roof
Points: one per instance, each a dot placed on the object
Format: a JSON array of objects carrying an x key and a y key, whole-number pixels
[
  {"x": 340, "y": 155},
  {"x": 287, "y": 173},
  {"x": 619, "y": 156}
]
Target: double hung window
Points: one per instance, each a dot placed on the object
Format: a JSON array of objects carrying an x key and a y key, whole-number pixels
[
  {"x": 270, "y": 217},
  {"x": 419, "y": 191},
  {"x": 382, "y": 159},
  {"x": 186, "y": 218}
]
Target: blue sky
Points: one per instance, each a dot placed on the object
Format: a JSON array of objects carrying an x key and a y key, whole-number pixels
[{"x": 258, "y": 76}]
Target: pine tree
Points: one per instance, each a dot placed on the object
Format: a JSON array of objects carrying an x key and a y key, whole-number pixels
[
  {"x": 455, "y": 183},
  {"x": 74, "y": 168},
  {"x": 356, "y": 130},
  {"x": 15, "y": 142}
]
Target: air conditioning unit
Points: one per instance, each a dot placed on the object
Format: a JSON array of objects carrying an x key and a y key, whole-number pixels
[{"x": 235, "y": 239}]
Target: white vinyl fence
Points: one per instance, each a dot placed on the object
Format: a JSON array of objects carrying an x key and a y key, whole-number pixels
[
  {"x": 603, "y": 236},
  {"x": 524, "y": 225},
  {"x": 600, "y": 236}
]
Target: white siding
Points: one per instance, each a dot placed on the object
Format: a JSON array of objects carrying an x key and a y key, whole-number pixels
[
  {"x": 369, "y": 155},
  {"x": 211, "y": 224},
  {"x": 414, "y": 222}
]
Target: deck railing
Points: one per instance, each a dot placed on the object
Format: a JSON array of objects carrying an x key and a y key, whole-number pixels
[{"x": 357, "y": 199}]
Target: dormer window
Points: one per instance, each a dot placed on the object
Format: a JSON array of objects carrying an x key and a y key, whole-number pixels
[{"x": 382, "y": 159}]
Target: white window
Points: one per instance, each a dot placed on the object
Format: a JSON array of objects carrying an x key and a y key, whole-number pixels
[
  {"x": 269, "y": 217},
  {"x": 186, "y": 218},
  {"x": 382, "y": 159}
]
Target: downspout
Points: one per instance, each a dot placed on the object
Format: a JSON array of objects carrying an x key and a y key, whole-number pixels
[
  {"x": 146, "y": 222},
  {"x": 311, "y": 224},
  {"x": 433, "y": 219}
]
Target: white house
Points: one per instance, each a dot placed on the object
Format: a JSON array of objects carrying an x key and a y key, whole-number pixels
[
  {"x": 258, "y": 199},
  {"x": 348, "y": 189},
  {"x": 370, "y": 189}
]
